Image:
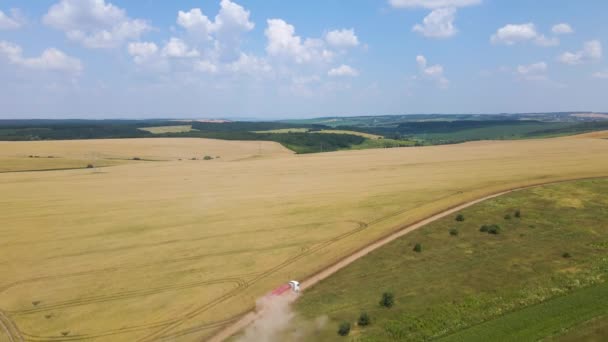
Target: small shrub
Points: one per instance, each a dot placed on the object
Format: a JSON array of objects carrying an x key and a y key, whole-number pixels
[
  {"x": 490, "y": 229},
  {"x": 364, "y": 320},
  {"x": 566, "y": 255},
  {"x": 344, "y": 329},
  {"x": 507, "y": 217},
  {"x": 418, "y": 248},
  {"x": 454, "y": 232},
  {"x": 48, "y": 316},
  {"x": 136, "y": 158},
  {"x": 517, "y": 213},
  {"x": 193, "y": 158},
  {"x": 65, "y": 333},
  {"x": 90, "y": 166},
  {"x": 388, "y": 300},
  {"x": 207, "y": 158},
  {"x": 494, "y": 230},
  {"x": 460, "y": 218},
  {"x": 35, "y": 303}
]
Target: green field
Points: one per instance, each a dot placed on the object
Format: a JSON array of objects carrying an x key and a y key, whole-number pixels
[
  {"x": 595, "y": 330},
  {"x": 168, "y": 129},
  {"x": 476, "y": 286}
]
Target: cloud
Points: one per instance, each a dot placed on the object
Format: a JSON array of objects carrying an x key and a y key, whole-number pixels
[
  {"x": 343, "y": 70},
  {"x": 196, "y": 22},
  {"x": 94, "y": 23},
  {"x": 562, "y": 28},
  {"x": 142, "y": 50},
  {"x": 533, "y": 72},
  {"x": 231, "y": 22},
  {"x": 248, "y": 64},
  {"x": 342, "y": 38},
  {"x": 516, "y": 33},
  {"x": 434, "y": 72},
  {"x": 50, "y": 60},
  {"x": 592, "y": 51},
  {"x": 601, "y": 74},
  {"x": 433, "y": 4},
  {"x": 177, "y": 48},
  {"x": 283, "y": 42},
  {"x": 438, "y": 24},
  {"x": 11, "y": 22}
]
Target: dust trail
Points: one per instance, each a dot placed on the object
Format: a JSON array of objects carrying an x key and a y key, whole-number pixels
[{"x": 276, "y": 321}]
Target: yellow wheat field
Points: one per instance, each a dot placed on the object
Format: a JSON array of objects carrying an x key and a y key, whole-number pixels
[{"x": 173, "y": 250}]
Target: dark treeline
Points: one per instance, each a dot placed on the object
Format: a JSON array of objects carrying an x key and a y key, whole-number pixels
[
  {"x": 574, "y": 129},
  {"x": 429, "y": 127}
]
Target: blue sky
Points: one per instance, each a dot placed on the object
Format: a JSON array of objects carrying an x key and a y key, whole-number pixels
[{"x": 286, "y": 59}]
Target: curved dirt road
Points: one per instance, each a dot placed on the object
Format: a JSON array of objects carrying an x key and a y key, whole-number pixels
[{"x": 250, "y": 317}]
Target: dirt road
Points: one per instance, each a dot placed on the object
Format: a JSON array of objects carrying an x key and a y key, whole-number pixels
[{"x": 250, "y": 317}]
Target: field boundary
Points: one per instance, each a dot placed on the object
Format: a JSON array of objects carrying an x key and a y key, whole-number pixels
[{"x": 249, "y": 317}]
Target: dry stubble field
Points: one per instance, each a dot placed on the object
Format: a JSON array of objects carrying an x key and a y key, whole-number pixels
[{"x": 173, "y": 250}]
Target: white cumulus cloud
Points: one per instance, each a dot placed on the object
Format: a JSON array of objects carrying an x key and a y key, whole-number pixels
[
  {"x": 94, "y": 23},
  {"x": 282, "y": 41},
  {"x": 342, "y": 38},
  {"x": 592, "y": 51},
  {"x": 11, "y": 22},
  {"x": 51, "y": 59},
  {"x": 142, "y": 51},
  {"x": 433, "y": 4},
  {"x": 516, "y": 33},
  {"x": 533, "y": 72},
  {"x": 433, "y": 72},
  {"x": 438, "y": 24},
  {"x": 196, "y": 22},
  {"x": 177, "y": 48},
  {"x": 231, "y": 22},
  {"x": 562, "y": 28},
  {"x": 343, "y": 70}
]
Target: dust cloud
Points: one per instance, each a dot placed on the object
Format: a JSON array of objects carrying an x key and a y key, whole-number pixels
[{"x": 276, "y": 321}]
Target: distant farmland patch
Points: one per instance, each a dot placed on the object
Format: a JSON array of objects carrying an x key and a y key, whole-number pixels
[
  {"x": 325, "y": 131},
  {"x": 168, "y": 129}
]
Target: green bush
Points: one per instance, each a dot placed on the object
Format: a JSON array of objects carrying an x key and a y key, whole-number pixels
[
  {"x": 90, "y": 166},
  {"x": 388, "y": 300},
  {"x": 418, "y": 248},
  {"x": 454, "y": 232},
  {"x": 517, "y": 213},
  {"x": 507, "y": 217},
  {"x": 460, "y": 218},
  {"x": 566, "y": 255},
  {"x": 493, "y": 229},
  {"x": 344, "y": 329},
  {"x": 364, "y": 320},
  {"x": 207, "y": 158}
]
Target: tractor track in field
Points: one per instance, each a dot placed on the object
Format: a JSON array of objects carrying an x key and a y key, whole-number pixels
[
  {"x": 14, "y": 335},
  {"x": 249, "y": 317}
]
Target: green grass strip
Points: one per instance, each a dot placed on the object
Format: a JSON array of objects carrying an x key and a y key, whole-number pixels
[{"x": 540, "y": 321}]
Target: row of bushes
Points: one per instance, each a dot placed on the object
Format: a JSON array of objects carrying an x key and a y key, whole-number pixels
[{"x": 387, "y": 301}]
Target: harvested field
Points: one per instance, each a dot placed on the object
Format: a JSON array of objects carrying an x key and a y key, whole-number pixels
[
  {"x": 73, "y": 154},
  {"x": 176, "y": 249}
]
